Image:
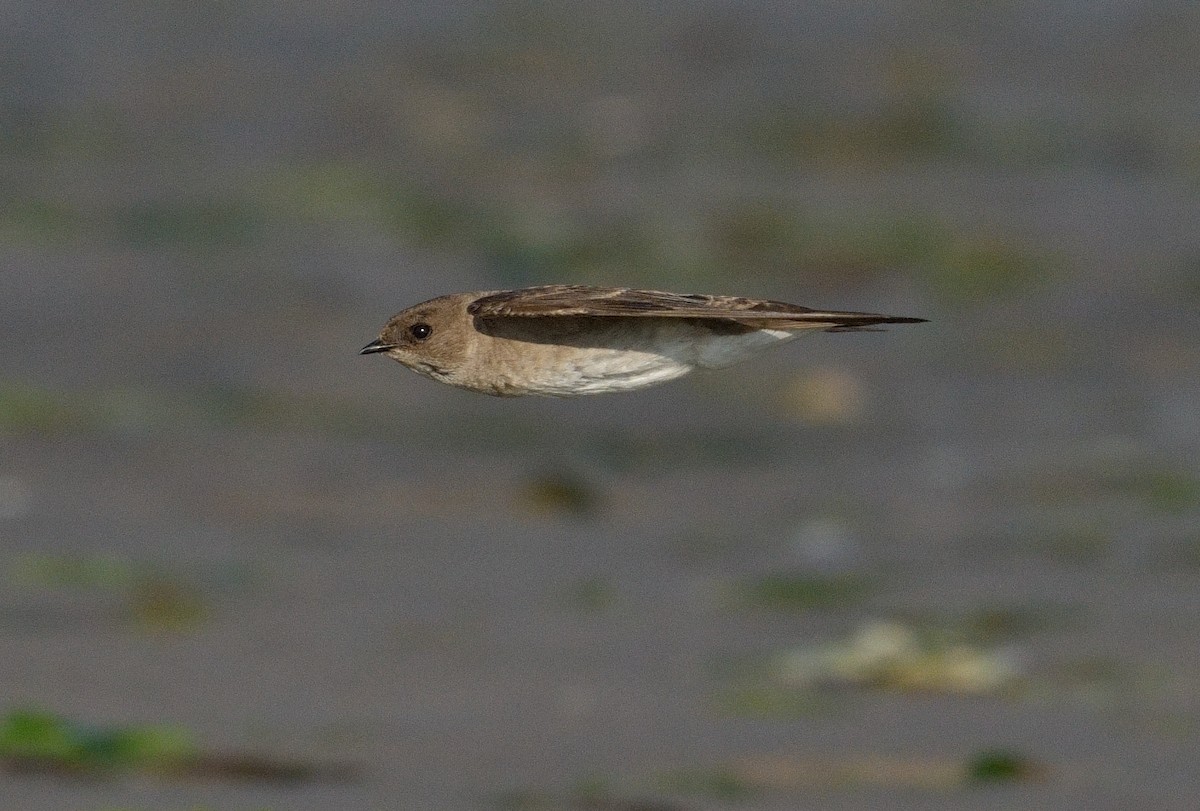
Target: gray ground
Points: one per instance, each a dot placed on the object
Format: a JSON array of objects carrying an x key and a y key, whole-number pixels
[{"x": 213, "y": 515}]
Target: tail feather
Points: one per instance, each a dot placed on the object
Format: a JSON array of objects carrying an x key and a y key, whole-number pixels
[{"x": 834, "y": 321}]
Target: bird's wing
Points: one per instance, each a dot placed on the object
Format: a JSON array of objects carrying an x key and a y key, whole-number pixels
[{"x": 562, "y": 300}]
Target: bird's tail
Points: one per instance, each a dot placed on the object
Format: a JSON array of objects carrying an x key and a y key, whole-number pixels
[{"x": 831, "y": 321}]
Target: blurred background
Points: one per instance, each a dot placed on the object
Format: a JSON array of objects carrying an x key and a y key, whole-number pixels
[{"x": 956, "y": 565}]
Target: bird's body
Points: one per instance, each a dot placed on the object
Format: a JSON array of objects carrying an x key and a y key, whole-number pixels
[
  {"x": 570, "y": 340},
  {"x": 573, "y": 355}
]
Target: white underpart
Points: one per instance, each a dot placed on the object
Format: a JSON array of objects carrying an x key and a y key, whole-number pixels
[
  {"x": 676, "y": 351},
  {"x": 721, "y": 351}
]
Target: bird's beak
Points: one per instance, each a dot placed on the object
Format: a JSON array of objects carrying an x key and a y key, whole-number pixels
[{"x": 377, "y": 345}]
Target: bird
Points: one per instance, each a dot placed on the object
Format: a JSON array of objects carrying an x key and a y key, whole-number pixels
[{"x": 567, "y": 340}]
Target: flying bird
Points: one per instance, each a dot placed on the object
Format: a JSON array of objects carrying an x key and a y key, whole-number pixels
[{"x": 569, "y": 340}]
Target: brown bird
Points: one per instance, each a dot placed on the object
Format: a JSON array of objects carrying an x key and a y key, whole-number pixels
[{"x": 566, "y": 340}]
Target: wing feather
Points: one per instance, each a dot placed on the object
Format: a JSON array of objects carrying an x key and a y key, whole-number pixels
[{"x": 563, "y": 300}]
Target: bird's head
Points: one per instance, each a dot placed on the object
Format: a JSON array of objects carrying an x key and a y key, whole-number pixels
[{"x": 430, "y": 338}]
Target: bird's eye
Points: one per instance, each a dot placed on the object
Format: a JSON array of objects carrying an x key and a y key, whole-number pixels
[{"x": 420, "y": 331}]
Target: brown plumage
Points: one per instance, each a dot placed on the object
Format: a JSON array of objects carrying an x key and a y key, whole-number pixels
[
  {"x": 559, "y": 300},
  {"x": 567, "y": 340}
]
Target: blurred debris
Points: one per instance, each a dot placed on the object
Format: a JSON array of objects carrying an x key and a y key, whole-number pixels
[
  {"x": 559, "y": 493},
  {"x": 38, "y": 741},
  {"x": 826, "y": 397},
  {"x": 895, "y": 656},
  {"x": 150, "y": 597},
  {"x": 166, "y": 604},
  {"x": 581, "y": 800},
  {"x": 783, "y": 772},
  {"x": 35, "y": 740},
  {"x": 1003, "y": 765},
  {"x": 744, "y": 779}
]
